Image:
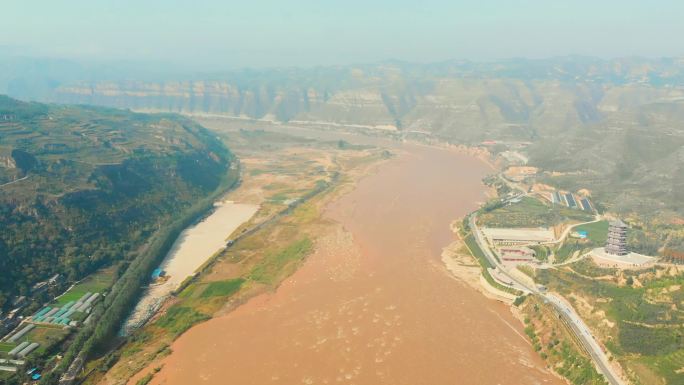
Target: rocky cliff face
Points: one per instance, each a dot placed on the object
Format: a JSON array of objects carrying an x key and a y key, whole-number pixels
[
  {"x": 226, "y": 98},
  {"x": 464, "y": 109}
]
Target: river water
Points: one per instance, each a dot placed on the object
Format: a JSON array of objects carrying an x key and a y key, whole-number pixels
[{"x": 374, "y": 304}]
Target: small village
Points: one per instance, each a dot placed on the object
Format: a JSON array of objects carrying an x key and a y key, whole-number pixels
[{"x": 24, "y": 333}]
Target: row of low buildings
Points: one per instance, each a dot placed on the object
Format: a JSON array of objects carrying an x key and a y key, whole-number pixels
[
  {"x": 63, "y": 315},
  {"x": 12, "y": 318},
  {"x": 14, "y": 358},
  {"x": 512, "y": 243},
  {"x": 22, "y": 336},
  {"x": 13, "y": 330}
]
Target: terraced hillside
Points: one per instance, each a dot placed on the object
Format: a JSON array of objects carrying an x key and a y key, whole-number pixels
[{"x": 83, "y": 187}]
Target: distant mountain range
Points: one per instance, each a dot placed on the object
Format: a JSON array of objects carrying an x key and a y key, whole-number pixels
[
  {"x": 466, "y": 101},
  {"x": 618, "y": 124}
]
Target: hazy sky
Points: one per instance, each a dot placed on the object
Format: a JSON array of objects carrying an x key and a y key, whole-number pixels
[{"x": 215, "y": 34}]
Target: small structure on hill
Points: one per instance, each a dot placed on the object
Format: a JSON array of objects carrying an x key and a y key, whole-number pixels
[{"x": 617, "y": 238}]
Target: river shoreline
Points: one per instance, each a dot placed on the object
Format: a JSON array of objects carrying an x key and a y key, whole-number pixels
[
  {"x": 194, "y": 246},
  {"x": 391, "y": 231}
]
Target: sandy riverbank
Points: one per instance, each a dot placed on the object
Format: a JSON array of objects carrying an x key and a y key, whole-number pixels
[
  {"x": 464, "y": 267},
  {"x": 190, "y": 251}
]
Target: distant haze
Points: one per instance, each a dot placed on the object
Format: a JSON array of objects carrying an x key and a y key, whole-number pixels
[{"x": 215, "y": 35}]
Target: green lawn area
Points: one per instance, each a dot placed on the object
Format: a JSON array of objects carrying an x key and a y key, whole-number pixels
[
  {"x": 274, "y": 264},
  {"x": 596, "y": 236},
  {"x": 6, "y": 347},
  {"x": 222, "y": 288},
  {"x": 47, "y": 336},
  {"x": 95, "y": 283},
  {"x": 179, "y": 319},
  {"x": 597, "y": 232}
]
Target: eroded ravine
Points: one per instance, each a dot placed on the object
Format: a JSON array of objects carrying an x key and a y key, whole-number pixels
[{"x": 374, "y": 304}]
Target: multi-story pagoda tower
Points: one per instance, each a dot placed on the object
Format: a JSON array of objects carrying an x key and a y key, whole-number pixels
[{"x": 617, "y": 238}]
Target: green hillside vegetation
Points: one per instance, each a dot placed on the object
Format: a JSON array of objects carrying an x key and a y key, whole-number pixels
[
  {"x": 597, "y": 232},
  {"x": 631, "y": 162},
  {"x": 556, "y": 344},
  {"x": 97, "y": 183},
  {"x": 648, "y": 336},
  {"x": 95, "y": 189}
]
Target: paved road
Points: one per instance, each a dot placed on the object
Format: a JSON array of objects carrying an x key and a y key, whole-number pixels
[
  {"x": 589, "y": 341},
  {"x": 578, "y": 326}
]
